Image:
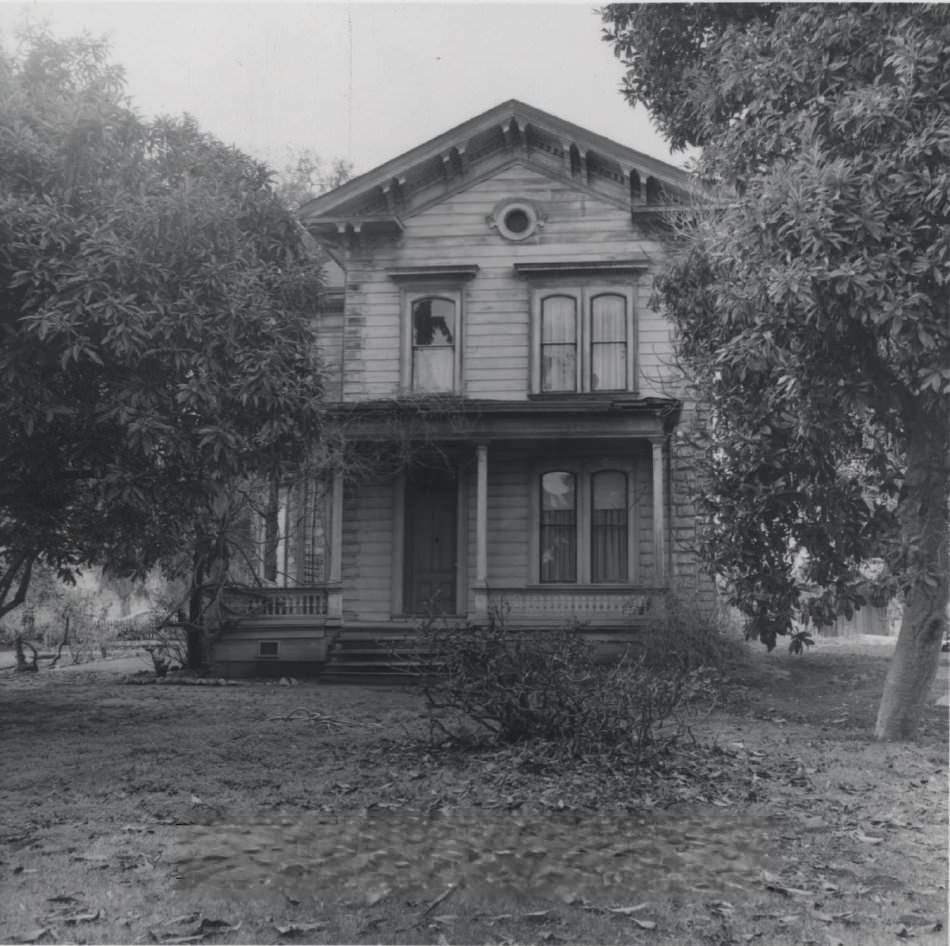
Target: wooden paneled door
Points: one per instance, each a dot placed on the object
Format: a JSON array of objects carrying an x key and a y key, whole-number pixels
[{"x": 431, "y": 542}]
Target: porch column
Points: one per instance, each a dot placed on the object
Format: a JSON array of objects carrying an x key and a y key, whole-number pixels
[
  {"x": 399, "y": 544},
  {"x": 335, "y": 576},
  {"x": 659, "y": 507},
  {"x": 481, "y": 530}
]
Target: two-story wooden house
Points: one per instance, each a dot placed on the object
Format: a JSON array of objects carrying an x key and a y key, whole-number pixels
[{"x": 493, "y": 329}]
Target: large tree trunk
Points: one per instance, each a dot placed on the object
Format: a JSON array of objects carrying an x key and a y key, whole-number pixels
[{"x": 924, "y": 526}]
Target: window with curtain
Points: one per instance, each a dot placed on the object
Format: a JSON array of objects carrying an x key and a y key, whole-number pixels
[
  {"x": 608, "y": 526},
  {"x": 608, "y": 342},
  {"x": 584, "y": 339},
  {"x": 559, "y": 343},
  {"x": 433, "y": 344},
  {"x": 558, "y": 539},
  {"x": 289, "y": 540}
]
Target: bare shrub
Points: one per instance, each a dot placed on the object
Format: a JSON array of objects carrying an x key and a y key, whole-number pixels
[
  {"x": 514, "y": 684},
  {"x": 168, "y": 647}
]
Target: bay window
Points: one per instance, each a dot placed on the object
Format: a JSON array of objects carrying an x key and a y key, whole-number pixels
[{"x": 288, "y": 533}]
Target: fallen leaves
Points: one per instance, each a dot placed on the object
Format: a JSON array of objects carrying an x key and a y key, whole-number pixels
[
  {"x": 774, "y": 884},
  {"x": 847, "y": 840},
  {"x": 867, "y": 838},
  {"x": 192, "y": 928},
  {"x": 33, "y": 935},
  {"x": 626, "y": 912},
  {"x": 302, "y": 714},
  {"x": 297, "y": 929}
]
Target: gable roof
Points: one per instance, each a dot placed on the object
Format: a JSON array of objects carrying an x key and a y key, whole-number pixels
[{"x": 510, "y": 131}]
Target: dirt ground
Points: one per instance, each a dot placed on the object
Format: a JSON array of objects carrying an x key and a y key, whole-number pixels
[{"x": 316, "y": 813}]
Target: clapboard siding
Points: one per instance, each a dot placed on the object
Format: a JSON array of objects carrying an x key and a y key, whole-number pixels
[
  {"x": 508, "y": 522},
  {"x": 367, "y": 551},
  {"x": 643, "y": 498},
  {"x": 329, "y": 342},
  {"x": 655, "y": 340},
  {"x": 496, "y": 304}
]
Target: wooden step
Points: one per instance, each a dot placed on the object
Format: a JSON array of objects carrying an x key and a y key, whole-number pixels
[{"x": 365, "y": 655}]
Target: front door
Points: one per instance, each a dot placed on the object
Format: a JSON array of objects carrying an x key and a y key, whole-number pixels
[{"x": 431, "y": 551}]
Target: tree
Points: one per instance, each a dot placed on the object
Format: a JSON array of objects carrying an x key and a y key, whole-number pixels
[
  {"x": 812, "y": 307},
  {"x": 156, "y": 325},
  {"x": 307, "y": 176}
]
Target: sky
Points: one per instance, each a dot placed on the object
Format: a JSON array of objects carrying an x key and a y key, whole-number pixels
[{"x": 362, "y": 81}]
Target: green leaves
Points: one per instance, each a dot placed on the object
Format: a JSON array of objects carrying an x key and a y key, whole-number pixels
[
  {"x": 154, "y": 338},
  {"x": 812, "y": 312}
]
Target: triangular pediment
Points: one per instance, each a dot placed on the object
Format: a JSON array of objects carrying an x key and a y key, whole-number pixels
[
  {"x": 510, "y": 133},
  {"x": 525, "y": 176},
  {"x": 470, "y": 209}
]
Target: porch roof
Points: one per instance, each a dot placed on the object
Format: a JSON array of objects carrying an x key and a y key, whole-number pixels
[{"x": 448, "y": 417}]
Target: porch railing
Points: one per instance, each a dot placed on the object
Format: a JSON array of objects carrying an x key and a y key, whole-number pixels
[
  {"x": 614, "y": 605},
  {"x": 276, "y": 602}
]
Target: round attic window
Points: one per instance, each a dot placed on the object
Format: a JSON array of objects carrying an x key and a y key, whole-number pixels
[{"x": 516, "y": 220}]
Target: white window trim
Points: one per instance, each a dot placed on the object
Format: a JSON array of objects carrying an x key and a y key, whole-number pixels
[
  {"x": 408, "y": 296},
  {"x": 583, "y": 471},
  {"x": 584, "y": 295}
]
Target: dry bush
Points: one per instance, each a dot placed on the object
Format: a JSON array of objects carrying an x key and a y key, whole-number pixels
[
  {"x": 168, "y": 647},
  {"x": 514, "y": 685}
]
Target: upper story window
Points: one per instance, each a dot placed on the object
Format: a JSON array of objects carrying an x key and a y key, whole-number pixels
[
  {"x": 431, "y": 326},
  {"x": 559, "y": 343},
  {"x": 434, "y": 320},
  {"x": 608, "y": 342},
  {"x": 584, "y": 339}
]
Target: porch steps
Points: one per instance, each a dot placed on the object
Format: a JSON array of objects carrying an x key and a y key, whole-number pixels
[{"x": 368, "y": 656}]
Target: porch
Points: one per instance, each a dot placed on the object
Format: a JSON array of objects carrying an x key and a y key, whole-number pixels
[{"x": 478, "y": 529}]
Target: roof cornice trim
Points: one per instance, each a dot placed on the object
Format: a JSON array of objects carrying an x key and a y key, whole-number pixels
[{"x": 500, "y": 114}]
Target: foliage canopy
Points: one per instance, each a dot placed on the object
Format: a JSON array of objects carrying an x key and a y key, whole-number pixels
[
  {"x": 156, "y": 330},
  {"x": 812, "y": 304}
]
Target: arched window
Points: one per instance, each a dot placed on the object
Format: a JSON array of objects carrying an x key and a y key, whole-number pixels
[
  {"x": 583, "y": 337},
  {"x": 608, "y": 342},
  {"x": 559, "y": 343},
  {"x": 558, "y": 538},
  {"x": 433, "y": 344},
  {"x": 608, "y": 526}
]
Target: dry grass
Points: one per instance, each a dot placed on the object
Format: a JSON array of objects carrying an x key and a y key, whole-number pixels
[{"x": 259, "y": 813}]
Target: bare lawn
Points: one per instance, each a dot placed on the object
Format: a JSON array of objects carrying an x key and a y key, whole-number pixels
[{"x": 317, "y": 813}]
